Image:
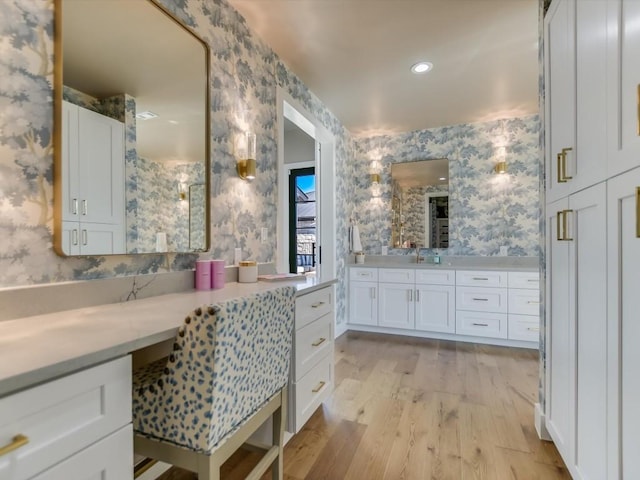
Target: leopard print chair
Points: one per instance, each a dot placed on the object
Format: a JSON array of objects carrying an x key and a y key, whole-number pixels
[{"x": 226, "y": 375}]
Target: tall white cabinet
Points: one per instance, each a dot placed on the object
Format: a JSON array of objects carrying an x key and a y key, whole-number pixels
[
  {"x": 93, "y": 212},
  {"x": 592, "y": 247}
]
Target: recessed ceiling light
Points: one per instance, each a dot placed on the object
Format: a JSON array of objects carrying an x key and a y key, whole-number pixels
[
  {"x": 146, "y": 115},
  {"x": 421, "y": 67}
]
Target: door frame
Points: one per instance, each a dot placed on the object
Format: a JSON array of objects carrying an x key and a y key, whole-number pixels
[{"x": 291, "y": 109}]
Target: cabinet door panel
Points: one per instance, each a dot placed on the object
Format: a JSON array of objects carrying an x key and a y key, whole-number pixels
[
  {"x": 623, "y": 75},
  {"x": 101, "y": 180},
  {"x": 624, "y": 327},
  {"x": 70, "y": 165},
  {"x": 588, "y": 267},
  {"x": 396, "y": 305},
  {"x": 560, "y": 118},
  {"x": 435, "y": 308},
  {"x": 559, "y": 348},
  {"x": 363, "y": 303}
]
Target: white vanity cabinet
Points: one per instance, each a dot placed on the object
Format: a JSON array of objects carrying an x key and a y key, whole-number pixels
[
  {"x": 92, "y": 186},
  {"x": 397, "y": 298},
  {"x": 435, "y": 301},
  {"x": 447, "y": 303},
  {"x": 312, "y": 364},
  {"x": 481, "y": 303},
  {"x": 363, "y": 296},
  {"x": 75, "y": 427}
]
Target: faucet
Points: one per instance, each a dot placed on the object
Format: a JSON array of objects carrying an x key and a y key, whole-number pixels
[{"x": 419, "y": 259}]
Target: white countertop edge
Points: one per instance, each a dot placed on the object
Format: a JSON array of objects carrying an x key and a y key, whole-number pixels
[{"x": 37, "y": 349}]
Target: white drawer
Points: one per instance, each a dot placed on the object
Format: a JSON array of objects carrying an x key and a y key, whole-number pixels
[
  {"x": 481, "y": 324},
  {"x": 110, "y": 458},
  {"x": 363, "y": 274},
  {"x": 524, "y": 327},
  {"x": 481, "y": 299},
  {"x": 313, "y": 342},
  {"x": 524, "y": 280},
  {"x": 312, "y": 390},
  {"x": 524, "y": 302},
  {"x": 64, "y": 416},
  {"x": 313, "y": 305},
  {"x": 481, "y": 278},
  {"x": 397, "y": 275},
  {"x": 435, "y": 277}
]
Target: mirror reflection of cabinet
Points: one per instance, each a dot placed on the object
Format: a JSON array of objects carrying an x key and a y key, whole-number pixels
[
  {"x": 136, "y": 63},
  {"x": 92, "y": 164},
  {"x": 419, "y": 204}
]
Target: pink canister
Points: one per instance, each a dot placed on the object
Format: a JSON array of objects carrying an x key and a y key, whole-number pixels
[
  {"x": 217, "y": 273},
  {"x": 203, "y": 275}
]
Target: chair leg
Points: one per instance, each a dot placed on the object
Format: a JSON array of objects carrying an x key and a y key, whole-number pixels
[
  {"x": 279, "y": 422},
  {"x": 208, "y": 467}
]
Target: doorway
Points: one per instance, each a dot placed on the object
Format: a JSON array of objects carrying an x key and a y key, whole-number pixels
[{"x": 302, "y": 220}]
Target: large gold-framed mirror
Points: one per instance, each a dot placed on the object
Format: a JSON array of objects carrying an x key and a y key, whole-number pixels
[
  {"x": 131, "y": 87},
  {"x": 420, "y": 204}
]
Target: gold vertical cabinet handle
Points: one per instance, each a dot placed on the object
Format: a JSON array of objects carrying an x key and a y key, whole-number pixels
[
  {"x": 74, "y": 208},
  {"x": 319, "y": 342},
  {"x": 318, "y": 388},
  {"x": 84, "y": 237},
  {"x": 562, "y": 226},
  {"x": 559, "y": 177},
  {"x": 565, "y": 226},
  {"x": 638, "y": 212},
  {"x": 565, "y": 177},
  {"x": 74, "y": 236},
  {"x": 85, "y": 207},
  {"x": 16, "y": 442}
]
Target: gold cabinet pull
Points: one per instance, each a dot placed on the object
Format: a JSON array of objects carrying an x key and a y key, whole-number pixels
[
  {"x": 478, "y": 299},
  {"x": 562, "y": 226},
  {"x": 480, "y": 324},
  {"x": 565, "y": 177},
  {"x": 560, "y": 179},
  {"x": 16, "y": 442},
  {"x": 318, "y": 388},
  {"x": 74, "y": 208},
  {"x": 319, "y": 342},
  {"x": 638, "y": 212},
  {"x": 316, "y": 305}
]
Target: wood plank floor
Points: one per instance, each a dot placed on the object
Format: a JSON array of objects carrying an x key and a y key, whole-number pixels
[{"x": 407, "y": 408}]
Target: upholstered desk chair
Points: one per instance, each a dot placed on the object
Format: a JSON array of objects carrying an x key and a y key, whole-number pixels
[{"x": 227, "y": 374}]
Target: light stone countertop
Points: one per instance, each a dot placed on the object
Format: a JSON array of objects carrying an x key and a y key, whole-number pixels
[
  {"x": 42, "y": 347},
  {"x": 528, "y": 264}
]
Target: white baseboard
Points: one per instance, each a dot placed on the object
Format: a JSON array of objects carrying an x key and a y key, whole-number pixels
[{"x": 540, "y": 423}]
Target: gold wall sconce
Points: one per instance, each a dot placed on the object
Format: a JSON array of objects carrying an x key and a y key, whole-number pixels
[
  {"x": 246, "y": 155},
  {"x": 375, "y": 178},
  {"x": 501, "y": 167},
  {"x": 182, "y": 191}
]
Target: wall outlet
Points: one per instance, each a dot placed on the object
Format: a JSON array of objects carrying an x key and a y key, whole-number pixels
[
  {"x": 264, "y": 235},
  {"x": 237, "y": 256}
]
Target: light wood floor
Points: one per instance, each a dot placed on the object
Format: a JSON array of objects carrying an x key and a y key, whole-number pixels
[{"x": 416, "y": 409}]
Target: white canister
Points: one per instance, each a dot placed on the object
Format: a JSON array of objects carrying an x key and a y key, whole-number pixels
[
  {"x": 248, "y": 272},
  {"x": 360, "y": 257}
]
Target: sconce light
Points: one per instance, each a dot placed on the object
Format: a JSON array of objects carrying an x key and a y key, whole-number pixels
[
  {"x": 375, "y": 178},
  {"x": 501, "y": 167},
  {"x": 246, "y": 155},
  {"x": 182, "y": 191}
]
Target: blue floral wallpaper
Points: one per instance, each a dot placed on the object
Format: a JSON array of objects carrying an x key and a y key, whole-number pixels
[
  {"x": 245, "y": 74},
  {"x": 486, "y": 210}
]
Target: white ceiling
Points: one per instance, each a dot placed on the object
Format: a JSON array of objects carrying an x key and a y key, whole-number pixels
[{"x": 355, "y": 56}]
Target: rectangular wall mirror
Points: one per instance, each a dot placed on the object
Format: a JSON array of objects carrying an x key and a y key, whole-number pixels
[
  {"x": 132, "y": 130},
  {"x": 420, "y": 204}
]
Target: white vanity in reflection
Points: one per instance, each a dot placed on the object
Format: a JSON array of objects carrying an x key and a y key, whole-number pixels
[{"x": 475, "y": 303}]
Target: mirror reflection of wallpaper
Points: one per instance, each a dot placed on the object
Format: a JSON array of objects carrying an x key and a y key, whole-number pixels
[
  {"x": 158, "y": 204},
  {"x": 197, "y": 216},
  {"x": 414, "y": 213}
]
